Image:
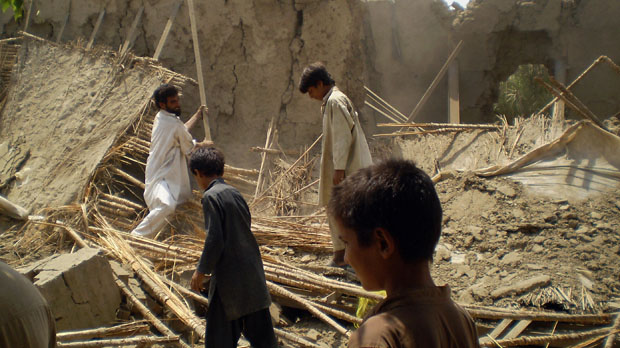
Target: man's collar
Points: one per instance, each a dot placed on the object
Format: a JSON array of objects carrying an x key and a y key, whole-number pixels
[
  {"x": 216, "y": 180},
  {"x": 166, "y": 113},
  {"x": 328, "y": 94}
]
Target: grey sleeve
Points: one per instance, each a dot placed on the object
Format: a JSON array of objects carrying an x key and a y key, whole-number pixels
[{"x": 214, "y": 243}]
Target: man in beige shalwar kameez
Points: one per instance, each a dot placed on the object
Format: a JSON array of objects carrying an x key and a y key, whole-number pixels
[{"x": 344, "y": 147}]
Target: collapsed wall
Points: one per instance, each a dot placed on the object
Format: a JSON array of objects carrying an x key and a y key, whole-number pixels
[
  {"x": 252, "y": 55},
  {"x": 64, "y": 109},
  {"x": 413, "y": 40}
]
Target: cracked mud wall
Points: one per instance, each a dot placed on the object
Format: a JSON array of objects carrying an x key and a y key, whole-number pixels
[{"x": 252, "y": 55}]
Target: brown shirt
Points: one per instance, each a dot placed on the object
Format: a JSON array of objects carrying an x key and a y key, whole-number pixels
[{"x": 421, "y": 318}]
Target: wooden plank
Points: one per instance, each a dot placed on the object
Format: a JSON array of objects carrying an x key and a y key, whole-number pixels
[
  {"x": 435, "y": 82},
  {"x": 91, "y": 41},
  {"x": 517, "y": 329},
  {"x": 560, "y": 76},
  {"x": 201, "y": 82},
  {"x": 264, "y": 157},
  {"x": 64, "y": 24},
  {"x": 500, "y": 328},
  {"x": 164, "y": 35},
  {"x": 453, "y": 93},
  {"x": 27, "y": 21},
  {"x": 129, "y": 39}
]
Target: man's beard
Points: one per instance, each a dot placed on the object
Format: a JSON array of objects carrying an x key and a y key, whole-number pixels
[{"x": 176, "y": 111}]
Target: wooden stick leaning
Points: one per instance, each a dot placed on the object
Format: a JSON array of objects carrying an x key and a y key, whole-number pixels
[
  {"x": 199, "y": 73},
  {"x": 382, "y": 113},
  {"x": 435, "y": 82},
  {"x": 263, "y": 158},
  {"x": 281, "y": 177},
  {"x": 569, "y": 102},
  {"x": 395, "y": 110},
  {"x": 294, "y": 338},
  {"x": 276, "y": 289},
  {"x": 609, "y": 343},
  {"x": 537, "y": 316},
  {"x": 64, "y": 24},
  {"x": 539, "y": 340},
  {"x": 91, "y": 41},
  {"x": 28, "y": 14},
  {"x": 127, "y": 329},
  {"x": 441, "y": 125},
  {"x": 164, "y": 35},
  {"x": 583, "y": 74},
  {"x": 130, "y": 36},
  {"x": 150, "y": 340},
  {"x": 576, "y": 101},
  {"x": 146, "y": 313}
]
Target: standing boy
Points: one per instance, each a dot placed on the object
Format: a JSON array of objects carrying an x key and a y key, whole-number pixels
[
  {"x": 238, "y": 296},
  {"x": 344, "y": 149},
  {"x": 389, "y": 217},
  {"x": 166, "y": 180}
]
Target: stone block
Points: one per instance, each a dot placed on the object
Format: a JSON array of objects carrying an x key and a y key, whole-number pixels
[{"x": 79, "y": 288}]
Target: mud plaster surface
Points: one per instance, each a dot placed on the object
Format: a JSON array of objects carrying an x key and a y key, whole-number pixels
[{"x": 65, "y": 108}]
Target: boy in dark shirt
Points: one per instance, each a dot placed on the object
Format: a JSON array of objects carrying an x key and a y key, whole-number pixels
[
  {"x": 389, "y": 218},
  {"x": 238, "y": 296}
]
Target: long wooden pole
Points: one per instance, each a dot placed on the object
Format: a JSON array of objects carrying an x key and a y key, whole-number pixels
[
  {"x": 164, "y": 35},
  {"x": 201, "y": 82},
  {"x": 146, "y": 313},
  {"x": 264, "y": 157},
  {"x": 64, "y": 24},
  {"x": 132, "y": 31},
  {"x": 27, "y": 21},
  {"x": 435, "y": 82},
  {"x": 91, "y": 41}
]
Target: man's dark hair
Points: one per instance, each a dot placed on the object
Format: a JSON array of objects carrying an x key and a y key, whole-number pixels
[
  {"x": 311, "y": 76},
  {"x": 208, "y": 161},
  {"x": 163, "y": 92},
  {"x": 394, "y": 195}
]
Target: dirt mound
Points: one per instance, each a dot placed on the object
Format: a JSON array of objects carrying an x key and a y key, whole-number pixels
[{"x": 495, "y": 235}]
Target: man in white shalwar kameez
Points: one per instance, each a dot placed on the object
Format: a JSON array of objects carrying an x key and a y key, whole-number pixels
[
  {"x": 344, "y": 147},
  {"x": 167, "y": 179}
]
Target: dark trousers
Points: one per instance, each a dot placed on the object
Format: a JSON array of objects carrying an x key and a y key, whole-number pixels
[{"x": 221, "y": 333}]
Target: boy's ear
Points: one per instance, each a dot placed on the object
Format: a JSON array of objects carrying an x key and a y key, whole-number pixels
[{"x": 385, "y": 242}]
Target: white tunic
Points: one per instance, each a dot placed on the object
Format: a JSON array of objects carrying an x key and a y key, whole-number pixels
[
  {"x": 344, "y": 144},
  {"x": 171, "y": 144}
]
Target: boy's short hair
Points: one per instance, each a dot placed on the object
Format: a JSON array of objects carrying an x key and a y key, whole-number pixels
[
  {"x": 208, "y": 161},
  {"x": 394, "y": 195},
  {"x": 311, "y": 76},
  {"x": 163, "y": 92}
]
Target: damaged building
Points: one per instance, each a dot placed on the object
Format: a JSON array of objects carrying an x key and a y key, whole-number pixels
[{"x": 530, "y": 242}]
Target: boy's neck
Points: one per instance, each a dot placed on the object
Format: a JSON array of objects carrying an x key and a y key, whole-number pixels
[
  {"x": 326, "y": 89},
  {"x": 404, "y": 277}
]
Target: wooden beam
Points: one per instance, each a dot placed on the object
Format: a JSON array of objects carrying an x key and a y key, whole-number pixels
[
  {"x": 500, "y": 328},
  {"x": 453, "y": 93},
  {"x": 435, "y": 82},
  {"x": 91, "y": 41},
  {"x": 164, "y": 35},
  {"x": 560, "y": 76},
  {"x": 130, "y": 37},
  {"x": 201, "y": 82},
  {"x": 517, "y": 329},
  {"x": 264, "y": 157},
  {"x": 64, "y": 24},
  {"x": 27, "y": 21}
]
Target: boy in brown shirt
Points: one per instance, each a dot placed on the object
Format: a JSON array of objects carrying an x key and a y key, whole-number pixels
[{"x": 389, "y": 218}]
